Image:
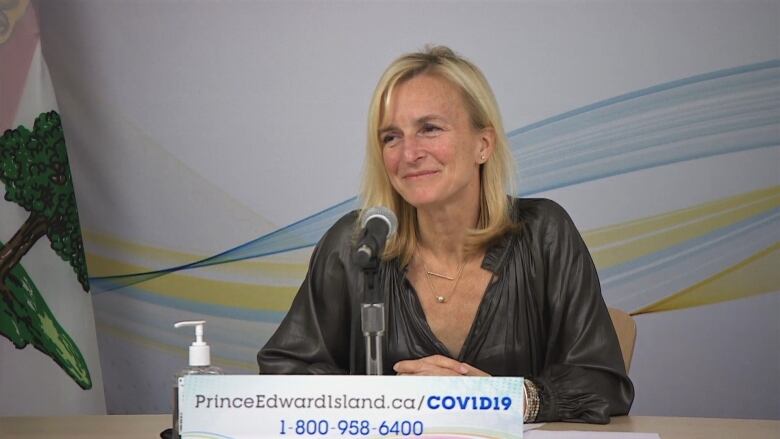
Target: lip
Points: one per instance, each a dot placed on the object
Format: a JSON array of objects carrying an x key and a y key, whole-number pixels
[{"x": 419, "y": 174}]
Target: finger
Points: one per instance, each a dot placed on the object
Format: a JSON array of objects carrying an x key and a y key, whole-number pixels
[
  {"x": 434, "y": 371},
  {"x": 474, "y": 372},
  {"x": 415, "y": 367},
  {"x": 432, "y": 365},
  {"x": 447, "y": 363},
  {"x": 406, "y": 366}
]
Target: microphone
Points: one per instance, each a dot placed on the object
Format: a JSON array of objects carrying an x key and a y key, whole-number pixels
[{"x": 379, "y": 223}]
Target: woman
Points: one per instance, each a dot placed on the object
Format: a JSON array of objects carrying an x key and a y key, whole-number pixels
[{"x": 476, "y": 283}]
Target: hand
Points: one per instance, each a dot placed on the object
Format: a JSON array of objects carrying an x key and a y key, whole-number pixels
[{"x": 436, "y": 365}]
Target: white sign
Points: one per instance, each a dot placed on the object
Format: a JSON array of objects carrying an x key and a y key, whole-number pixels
[{"x": 263, "y": 406}]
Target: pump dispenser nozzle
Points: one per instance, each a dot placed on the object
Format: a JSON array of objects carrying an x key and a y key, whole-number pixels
[{"x": 200, "y": 353}]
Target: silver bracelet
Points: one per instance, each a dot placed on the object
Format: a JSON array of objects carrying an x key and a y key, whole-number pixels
[{"x": 531, "y": 395}]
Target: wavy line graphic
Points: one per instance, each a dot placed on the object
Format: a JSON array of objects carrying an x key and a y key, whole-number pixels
[
  {"x": 688, "y": 257},
  {"x": 664, "y": 255},
  {"x": 755, "y": 275},
  {"x": 736, "y": 256},
  {"x": 721, "y": 250},
  {"x": 716, "y": 113},
  {"x": 626, "y": 255}
]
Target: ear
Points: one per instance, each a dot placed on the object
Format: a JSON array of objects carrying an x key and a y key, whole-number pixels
[{"x": 487, "y": 144}]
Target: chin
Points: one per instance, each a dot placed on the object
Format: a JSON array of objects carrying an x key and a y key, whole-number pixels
[
  {"x": 421, "y": 202},
  {"x": 421, "y": 198}
]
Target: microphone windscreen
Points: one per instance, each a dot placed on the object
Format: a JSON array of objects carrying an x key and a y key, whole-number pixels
[{"x": 385, "y": 214}]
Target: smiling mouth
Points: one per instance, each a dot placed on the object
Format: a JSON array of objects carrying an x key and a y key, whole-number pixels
[{"x": 419, "y": 174}]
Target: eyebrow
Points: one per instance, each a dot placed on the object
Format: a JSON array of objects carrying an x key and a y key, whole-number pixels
[{"x": 420, "y": 121}]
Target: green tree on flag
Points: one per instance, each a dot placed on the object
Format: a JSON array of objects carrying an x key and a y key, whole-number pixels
[{"x": 34, "y": 169}]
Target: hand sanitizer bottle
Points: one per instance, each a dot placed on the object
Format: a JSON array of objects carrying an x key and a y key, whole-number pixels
[{"x": 199, "y": 364}]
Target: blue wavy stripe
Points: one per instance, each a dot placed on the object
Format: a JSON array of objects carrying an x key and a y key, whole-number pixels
[
  {"x": 650, "y": 137},
  {"x": 715, "y": 113},
  {"x": 704, "y": 241},
  {"x": 681, "y": 128},
  {"x": 651, "y": 277},
  {"x": 718, "y": 74},
  {"x": 231, "y": 338},
  {"x": 301, "y": 234},
  {"x": 224, "y": 348},
  {"x": 697, "y": 118}
]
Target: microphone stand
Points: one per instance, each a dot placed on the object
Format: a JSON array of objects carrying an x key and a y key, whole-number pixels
[
  {"x": 379, "y": 224},
  {"x": 372, "y": 315}
]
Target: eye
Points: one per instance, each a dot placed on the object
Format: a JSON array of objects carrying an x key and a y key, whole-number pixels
[
  {"x": 388, "y": 139},
  {"x": 429, "y": 129}
]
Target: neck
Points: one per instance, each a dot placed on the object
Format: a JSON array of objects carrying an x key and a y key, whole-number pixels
[{"x": 443, "y": 230}]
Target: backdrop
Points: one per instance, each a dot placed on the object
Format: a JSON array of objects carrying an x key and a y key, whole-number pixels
[
  {"x": 213, "y": 142},
  {"x": 49, "y": 361}
]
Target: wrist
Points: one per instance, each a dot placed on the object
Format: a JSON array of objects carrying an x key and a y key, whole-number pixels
[{"x": 531, "y": 399}]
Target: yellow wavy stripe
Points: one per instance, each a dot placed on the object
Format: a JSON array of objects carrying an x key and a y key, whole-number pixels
[
  {"x": 758, "y": 274},
  {"x": 170, "y": 258},
  {"x": 618, "y": 244},
  {"x": 182, "y": 352},
  {"x": 607, "y": 235},
  {"x": 131, "y": 248},
  {"x": 213, "y": 292},
  {"x": 98, "y": 266}
]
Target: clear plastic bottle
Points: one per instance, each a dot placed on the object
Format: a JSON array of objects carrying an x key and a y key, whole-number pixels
[{"x": 199, "y": 364}]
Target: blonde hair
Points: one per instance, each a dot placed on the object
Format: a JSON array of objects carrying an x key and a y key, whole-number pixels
[{"x": 496, "y": 174}]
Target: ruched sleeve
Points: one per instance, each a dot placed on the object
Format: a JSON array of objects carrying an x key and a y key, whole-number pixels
[
  {"x": 583, "y": 377},
  {"x": 314, "y": 337}
]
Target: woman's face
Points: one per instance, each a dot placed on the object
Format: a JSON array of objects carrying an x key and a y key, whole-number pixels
[{"x": 430, "y": 148}]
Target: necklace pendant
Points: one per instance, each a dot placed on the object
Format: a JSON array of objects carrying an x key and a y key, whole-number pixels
[
  {"x": 441, "y": 299},
  {"x": 439, "y": 275}
]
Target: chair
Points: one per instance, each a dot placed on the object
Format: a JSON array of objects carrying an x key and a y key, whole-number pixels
[{"x": 625, "y": 327}]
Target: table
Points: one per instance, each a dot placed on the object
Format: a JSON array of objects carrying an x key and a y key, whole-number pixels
[
  {"x": 149, "y": 427},
  {"x": 683, "y": 428}
]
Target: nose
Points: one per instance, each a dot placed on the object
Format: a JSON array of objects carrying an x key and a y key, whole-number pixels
[{"x": 413, "y": 151}]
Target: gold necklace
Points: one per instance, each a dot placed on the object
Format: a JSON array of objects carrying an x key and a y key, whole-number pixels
[
  {"x": 440, "y": 298},
  {"x": 433, "y": 273}
]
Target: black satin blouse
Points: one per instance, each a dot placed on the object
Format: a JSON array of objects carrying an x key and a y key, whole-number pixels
[{"x": 542, "y": 317}]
